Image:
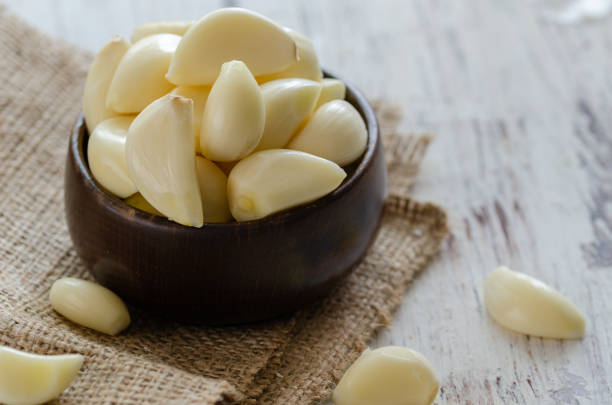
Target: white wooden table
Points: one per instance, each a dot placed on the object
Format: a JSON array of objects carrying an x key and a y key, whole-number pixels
[{"x": 522, "y": 162}]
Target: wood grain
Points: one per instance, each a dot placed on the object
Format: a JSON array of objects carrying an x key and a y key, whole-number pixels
[{"x": 522, "y": 161}]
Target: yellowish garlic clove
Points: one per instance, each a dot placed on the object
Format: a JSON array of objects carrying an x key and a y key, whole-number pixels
[
  {"x": 138, "y": 201},
  {"x": 140, "y": 76},
  {"x": 90, "y": 305},
  {"x": 213, "y": 190},
  {"x": 335, "y": 132},
  {"x": 106, "y": 156},
  {"x": 288, "y": 102},
  {"x": 160, "y": 157},
  {"x": 307, "y": 65},
  {"x": 199, "y": 95},
  {"x": 331, "y": 89},
  {"x": 29, "y": 379},
  {"x": 276, "y": 179},
  {"x": 160, "y": 27},
  {"x": 234, "y": 115},
  {"x": 99, "y": 79},
  {"x": 231, "y": 34},
  {"x": 388, "y": 376},
  {"x": 526, "y": 305}
]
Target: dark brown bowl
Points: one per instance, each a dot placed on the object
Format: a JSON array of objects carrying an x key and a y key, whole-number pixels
[{"x": 226, "y": 273}]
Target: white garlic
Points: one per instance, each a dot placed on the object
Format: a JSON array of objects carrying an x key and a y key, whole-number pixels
[
  {"x": 276, "y": 179},
  {"x": 199, "y": 95},
  {"x": 140, "y": 76},
  {"x": 90, "y": 305},
  {"x": 29, "y": 379},
  {"x": 139, "y": 202},
  {"x": 288, "y": 102},
  {"x": 160, "y": 157},
  {"x": 331, "y": 89},
  {"x": 213, "y": 190},
  {"x": 98, "y": 81},
  {"x": 306, "y": 66},
  {"x": 106, "y": 156},
  {"x": 388, "y": 376},
  {"x": 231, "y": 34},
  {"x": 526, "y": 305},
  {"x": 234, "y": 115},
  {"x": 160, "y": 27},
  {"x": 335, "y": 132}
]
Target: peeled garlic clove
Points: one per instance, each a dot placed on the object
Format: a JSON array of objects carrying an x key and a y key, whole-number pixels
[
  {"x": 234, "y": 115},
  {"x": 335, "y": 132},
  {"x": 307, "y": 65},
  {"x": 138, "y": 201},
  {"x": 199, "y": 95},
  {"x": 213, "y": 190},
  {"x": 388, "y": 376},
  {"x": 90, "y": 305},
  {"x": 231, "y": 34},
  {"x": 331, "y": 89},
  {"x": 276, "y": 179},
  {"x": 28, "y": 379},
  {"x": 140, "y": 76},
  {"x": 161, "y": 159},
  {"x": 526, "y": 305},
  {"x": 106, "y": 156},
  {"x": 160, "y": 27},
  {"x": 288, "y": 103},
  {"x": 99, "y": 79}
]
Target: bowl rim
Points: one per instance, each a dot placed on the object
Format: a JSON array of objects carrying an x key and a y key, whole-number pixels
[{"x": 131, "y": 214}]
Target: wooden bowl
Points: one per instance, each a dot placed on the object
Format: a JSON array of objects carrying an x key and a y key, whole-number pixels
[{"x": 226, "y": 273}]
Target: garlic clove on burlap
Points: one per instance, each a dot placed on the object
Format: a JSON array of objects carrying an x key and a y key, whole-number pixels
[
  {"x": 28, "y": 379},
  {"x": 231, "y": 34},
  {"x": 306, "y": 66},
  {"x": 199, "y": 95},
  {"x": 527, "y": 305},
  {"x": 213, "y": 191},
  {"x": 106, "y": 156},
  {"x": 331, "y": 89},
  {"x": 160, "y": 27},
  {"x": 335, "y": 132},
  {"x": 276, "y": 179},
  {"x": 140, "y": 76},
  {"x": 99, "y": 79},
  {"x": 234, "y": 115},
  {"x": 160, "y": 157},
  {"x": 288, "y": 102},
  {"x": 389, "y": 375}
]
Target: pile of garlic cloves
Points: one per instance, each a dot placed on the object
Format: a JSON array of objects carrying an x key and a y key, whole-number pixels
[{"x": 197, "y": 122}]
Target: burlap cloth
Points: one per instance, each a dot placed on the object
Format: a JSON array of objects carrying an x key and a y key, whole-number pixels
[{"x": 295, "y": 360}]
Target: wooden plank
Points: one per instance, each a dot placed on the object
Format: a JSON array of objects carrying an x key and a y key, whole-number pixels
[{"x": 522, "y": 162}]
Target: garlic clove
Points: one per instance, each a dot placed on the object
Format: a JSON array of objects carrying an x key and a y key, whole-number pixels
[
  {"x": 199, "y": 95},
  {"x": 138, "y": 201},
  {"x": 288, "y": 102},
  {"x": 160, "y": 157},
  {"x": 388, "y": 376},
  {"x": 98, "y": 81},
  {"x": 526, "y": 305},
  {"x": 234, "y": 115},
  {"x": 28, "y": 379},
  {"x": 160, "y": 27},
  {"x": 231, "y": 34},
  {"x": 335, "y": 132},
  {"x": 106, "y": 156},
  {"x": 331, "y": 89},
  {"x": 140, "y": 76},
  {"x": 306, "y": 66},
  {"x": 276, "y": 179},
  {"x": 90, "y": 305},
  {"x": 213, "y": 190}
]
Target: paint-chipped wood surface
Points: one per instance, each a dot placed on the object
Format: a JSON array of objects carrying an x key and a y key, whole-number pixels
[{"x": 522, "y": 161}]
